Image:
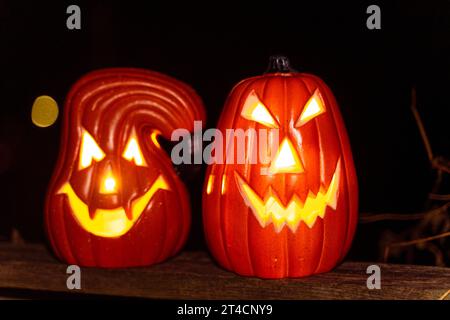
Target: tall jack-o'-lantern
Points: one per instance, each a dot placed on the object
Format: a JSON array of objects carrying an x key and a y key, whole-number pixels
[
  {"x": 115, "y": 199},
  {"x": 295, "y": 215}
]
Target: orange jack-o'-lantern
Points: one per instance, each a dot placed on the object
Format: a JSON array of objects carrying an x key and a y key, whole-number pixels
[
  {"x": 115, "y": 199},
  {"x": 295, "y": 215}
]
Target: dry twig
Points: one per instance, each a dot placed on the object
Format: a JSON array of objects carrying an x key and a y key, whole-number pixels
[
  {"x": 443, "y": 197},
  {"x": 374, "y": 217},
  {"x": 429, "y": 218},
  {"x": 416, "y": 241}
]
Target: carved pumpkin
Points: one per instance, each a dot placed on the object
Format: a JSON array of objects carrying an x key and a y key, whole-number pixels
[
  {"x": 299, "y": 218},
  {"x": 114, "y": 199}
]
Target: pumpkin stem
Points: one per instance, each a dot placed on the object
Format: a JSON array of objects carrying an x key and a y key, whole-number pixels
[{"x": 279, "y": 64}]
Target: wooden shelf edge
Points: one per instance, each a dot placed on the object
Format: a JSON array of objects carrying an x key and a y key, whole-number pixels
[{"x": 193, "y": 275}]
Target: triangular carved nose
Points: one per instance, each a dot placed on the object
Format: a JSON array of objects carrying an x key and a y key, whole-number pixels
[{"x": 286, "y": 159}]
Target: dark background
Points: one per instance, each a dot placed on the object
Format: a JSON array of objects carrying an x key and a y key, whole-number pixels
[{"x": 212, "y": 48}]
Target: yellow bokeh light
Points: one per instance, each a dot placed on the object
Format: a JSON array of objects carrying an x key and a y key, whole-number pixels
[{"x": 44, "y": 111}]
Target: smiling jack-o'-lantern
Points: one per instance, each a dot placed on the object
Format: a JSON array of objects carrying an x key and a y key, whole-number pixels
[
  {"x": 115, "y": 199},
  {"x": 295, "y": 215}
]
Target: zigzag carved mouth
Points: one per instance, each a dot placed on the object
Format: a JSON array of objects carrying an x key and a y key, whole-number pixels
[
  {"x": 271, "y": 209},
  {"x": 110, "y": 223}
]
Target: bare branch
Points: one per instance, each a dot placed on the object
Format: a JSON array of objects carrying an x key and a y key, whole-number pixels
[
  {"x": 440, "y": 163},
  {"x": 375, "y": 217},
  {"x": 413, "y": 242},
  {"x": 434, "y": 196},
  {"x": 423, "y": 133}
]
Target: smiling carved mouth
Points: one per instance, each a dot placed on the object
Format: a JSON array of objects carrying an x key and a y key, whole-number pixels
[
  {"x": 110, "y": 223},
  {"x": 271, "y": 209}
]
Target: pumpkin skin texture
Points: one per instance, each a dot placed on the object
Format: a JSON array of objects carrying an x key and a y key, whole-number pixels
[
  {"x": 114, "y": 199},
  {"x": 321, "y": 231}
]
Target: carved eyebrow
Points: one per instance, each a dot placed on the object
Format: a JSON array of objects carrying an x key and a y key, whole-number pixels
[{"x": 255, "y": 110}]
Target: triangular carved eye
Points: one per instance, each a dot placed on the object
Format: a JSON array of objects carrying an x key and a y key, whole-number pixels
[
  {"x": 89, "y": 151},
  {"x": 133, "y": 152},
  {"x": 312, "y": 109},
  {"x": 256, "y": 111}
]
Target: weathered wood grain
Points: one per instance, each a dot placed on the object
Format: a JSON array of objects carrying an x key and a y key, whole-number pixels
[{"x": 193, "y": 275}]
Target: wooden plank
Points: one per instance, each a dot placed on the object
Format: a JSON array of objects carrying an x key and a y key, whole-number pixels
[{"x": 193, "y": 275}]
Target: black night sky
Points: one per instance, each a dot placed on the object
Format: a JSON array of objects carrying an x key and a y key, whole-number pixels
[{"x": 371, "y": 73}]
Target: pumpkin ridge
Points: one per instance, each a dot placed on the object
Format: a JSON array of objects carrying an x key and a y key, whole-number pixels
[
  {"x": 348, "y": 233},
  {"x": 325, "y": 93},
  {"x": 243, "y": 94}
]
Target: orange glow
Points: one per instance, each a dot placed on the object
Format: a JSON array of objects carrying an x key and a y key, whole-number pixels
[
  {"x": 132, "y": 152},
  {"x": 89, "y": 150},
  {"x": 224, "y": 180},
  {"x": 109, "y": 185},
  {"x": 272, "y": 210},
  {"x": 209, "y": 186},
  {"x": 255, "y": 110},
  {"x": 154, "y": 137},
  {"x": 286, "y": 159},
  {"x": 312, "y": 109},
  {"x": 110, "y": 223}
]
